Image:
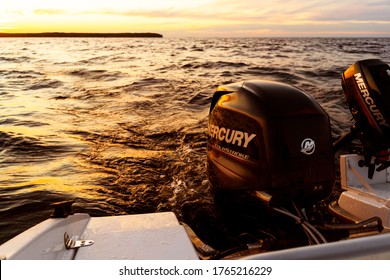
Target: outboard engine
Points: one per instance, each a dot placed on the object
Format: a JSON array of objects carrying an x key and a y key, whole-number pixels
[
  {"x": 270, "y": 137},
  {"x": 270, "y": 163},
  {"x": 366, "y": 195},
  {"x": 366, "y": 85}
]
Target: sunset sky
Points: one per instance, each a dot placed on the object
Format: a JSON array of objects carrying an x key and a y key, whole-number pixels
[{"x": 200, "y": 18}]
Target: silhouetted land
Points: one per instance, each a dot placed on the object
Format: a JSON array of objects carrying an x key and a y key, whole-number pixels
[{"x": 82, "y": 35}]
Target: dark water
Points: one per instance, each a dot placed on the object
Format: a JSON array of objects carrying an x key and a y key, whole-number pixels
[{"x": 119, "y": 125}]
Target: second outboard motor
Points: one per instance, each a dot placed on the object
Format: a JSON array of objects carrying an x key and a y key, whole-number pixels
[
  {"x": 271, "y": 137},
  {"x": 366, "y": 86}
]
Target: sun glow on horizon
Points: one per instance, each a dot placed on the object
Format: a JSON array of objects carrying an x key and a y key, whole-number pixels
[{"x": 199, "y": 18}]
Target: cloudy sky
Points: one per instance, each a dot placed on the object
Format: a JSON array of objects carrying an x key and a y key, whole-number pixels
[{"x": 200, "y": 18}]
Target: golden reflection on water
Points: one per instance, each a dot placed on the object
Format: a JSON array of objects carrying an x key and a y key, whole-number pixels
[
  {"x": 75, "y": 184},
  {"x": 126, "y": 152},
  {"x": 27, "y": 131}
]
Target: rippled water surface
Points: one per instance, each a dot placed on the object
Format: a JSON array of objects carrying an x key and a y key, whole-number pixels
[{"x": 119, "y": 125}]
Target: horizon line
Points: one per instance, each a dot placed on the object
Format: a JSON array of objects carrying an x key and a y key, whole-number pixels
[{"x": 61, "y": 34}]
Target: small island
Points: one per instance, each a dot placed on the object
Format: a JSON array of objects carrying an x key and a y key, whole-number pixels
[{"x": 81, "y": 35}]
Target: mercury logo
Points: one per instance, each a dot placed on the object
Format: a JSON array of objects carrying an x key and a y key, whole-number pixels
[
  {"x": 308, "y": 146},
  {"x": 235, "y": 137},
  {"x": 369, "y": 100}
]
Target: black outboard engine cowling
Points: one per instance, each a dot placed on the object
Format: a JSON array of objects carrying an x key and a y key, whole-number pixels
[
  {"x": 268, "y": 136},
  {"x": 366, "y": 85}
]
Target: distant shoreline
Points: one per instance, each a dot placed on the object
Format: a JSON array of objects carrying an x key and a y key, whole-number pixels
[{"x": 81, "y": 35}]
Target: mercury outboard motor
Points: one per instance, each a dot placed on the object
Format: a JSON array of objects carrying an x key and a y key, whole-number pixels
[
  {"x": 366, "y": 86},
  {"x": 270, "y": 137},
  {"x": 270, "y": 162}
]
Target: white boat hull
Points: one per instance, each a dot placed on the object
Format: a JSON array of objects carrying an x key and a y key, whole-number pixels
[{"x": 141, "y": 237}]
